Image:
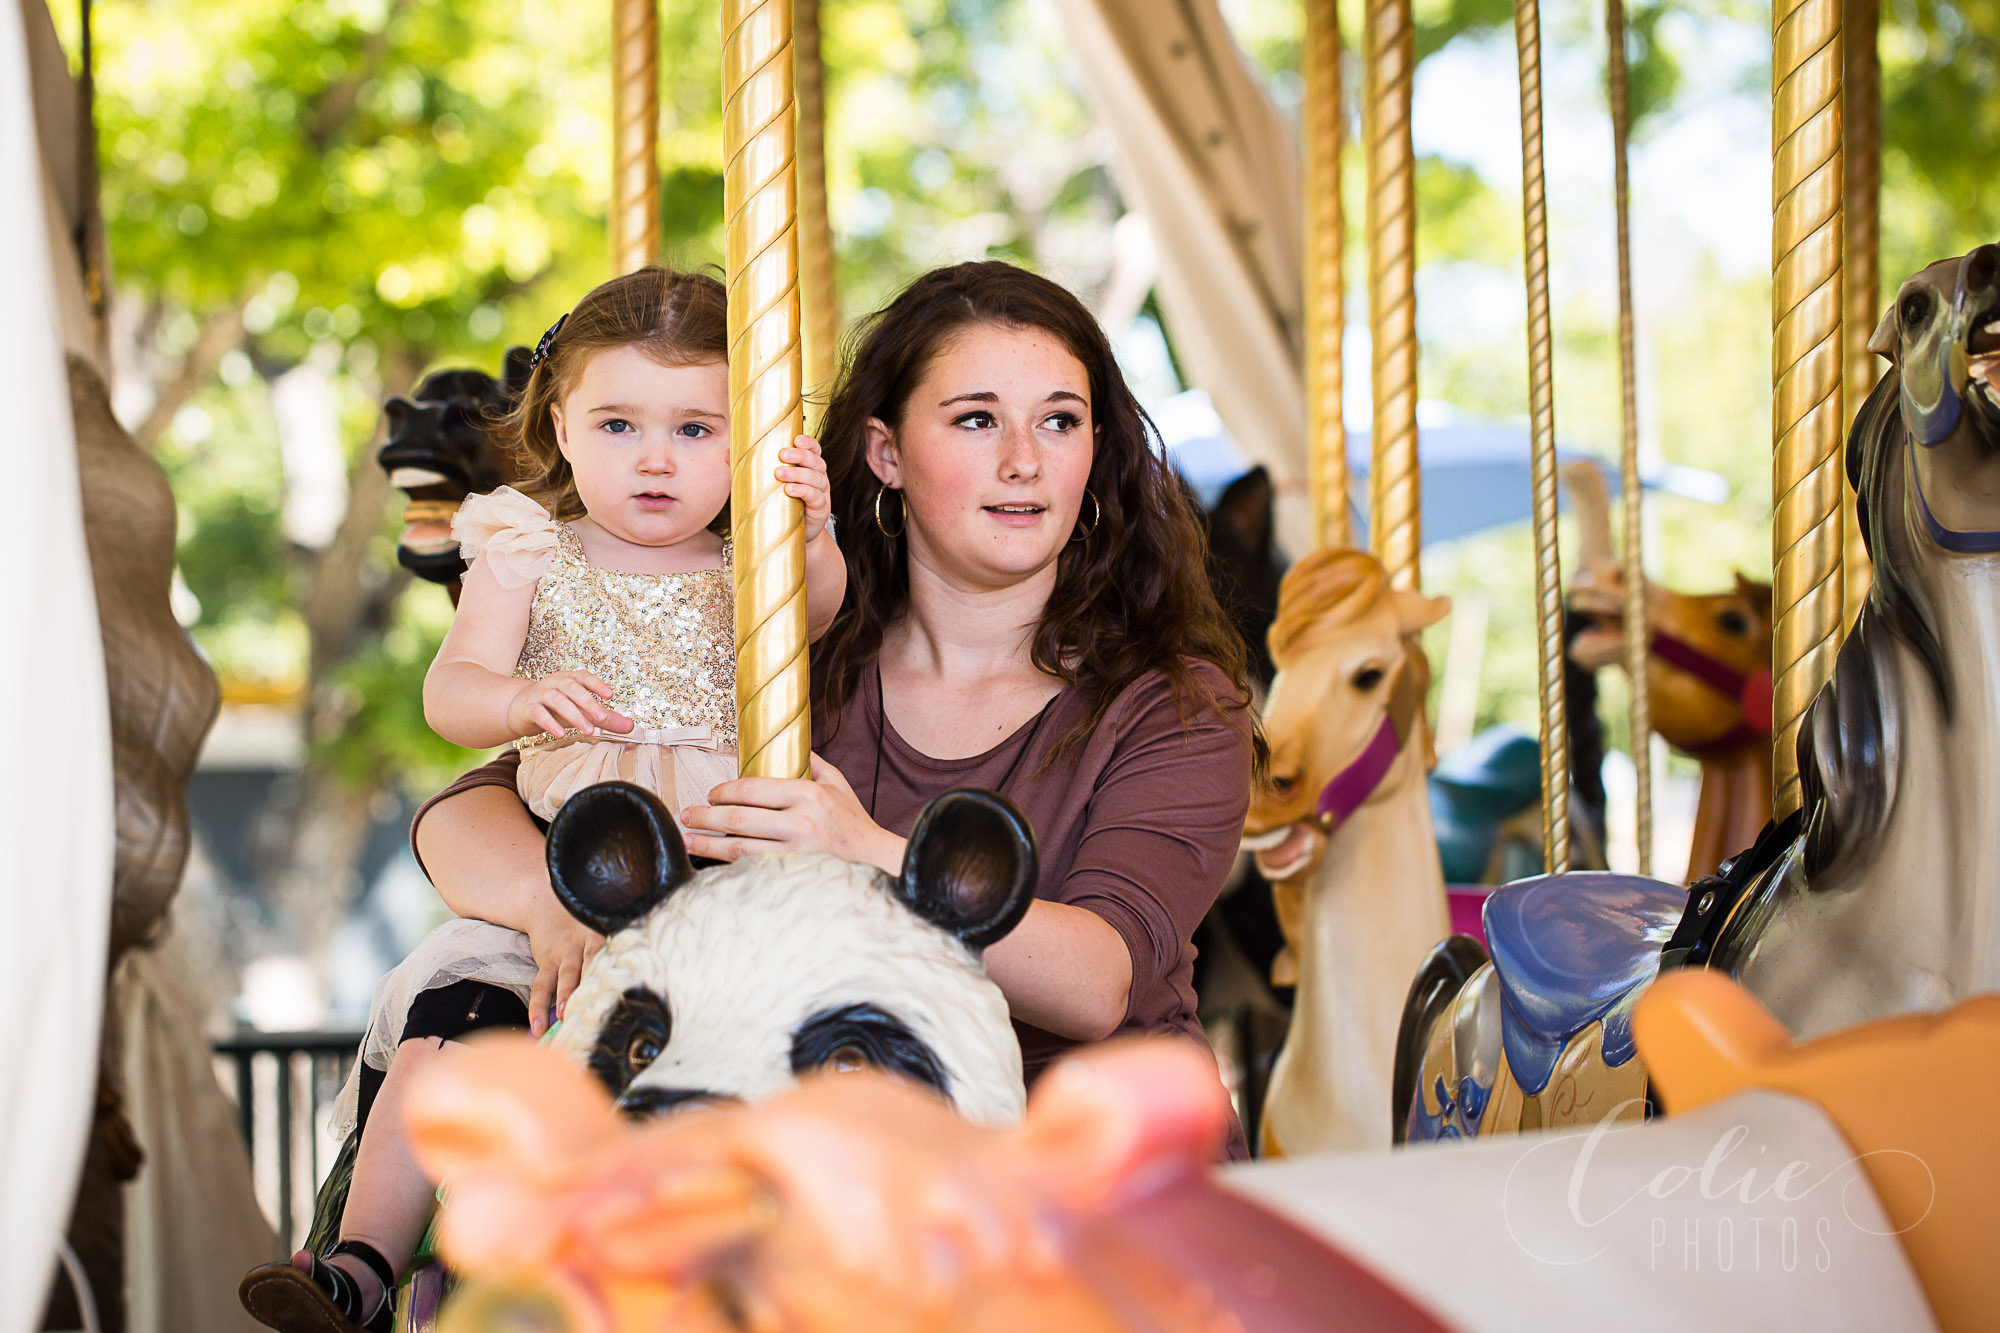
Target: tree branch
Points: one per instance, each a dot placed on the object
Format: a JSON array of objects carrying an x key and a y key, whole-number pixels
[
  {"x": 220, "y": 333},
  {"x": 336, "y": 102}
]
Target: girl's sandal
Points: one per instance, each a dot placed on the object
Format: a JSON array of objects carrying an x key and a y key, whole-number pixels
[{"x": 320, "y": 1297}]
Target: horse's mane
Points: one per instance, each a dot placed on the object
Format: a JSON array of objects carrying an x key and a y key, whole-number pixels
[
  {"x": 1326, "y": 589},
  {"x": 1847, "y": 745}
]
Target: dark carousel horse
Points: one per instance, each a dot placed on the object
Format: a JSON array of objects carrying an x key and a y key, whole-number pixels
[
  {"x": 442, "y": 448},
  {"x": 1881, "y": 895}
]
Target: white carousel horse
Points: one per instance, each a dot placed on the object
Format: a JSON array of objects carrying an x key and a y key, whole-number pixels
[{"x": 1344, "y": 835}]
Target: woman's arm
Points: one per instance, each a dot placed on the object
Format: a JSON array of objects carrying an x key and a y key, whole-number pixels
[
  {"x": 488, "y": 860},
  {"x": 1065, "y": 970},
  {"x": 1165, "y": 823}
]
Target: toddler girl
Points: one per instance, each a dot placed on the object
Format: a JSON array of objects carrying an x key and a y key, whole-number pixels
[{"x": 595, "y": 631}]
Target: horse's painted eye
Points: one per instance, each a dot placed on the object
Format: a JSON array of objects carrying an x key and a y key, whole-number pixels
[
  {"x": 849, "y": 1059},
  {"x": 1915, "y": 308},
  {"x": 1367, "y": 678},
  {"x": 643, "y": 1049},
  {"x": 1732, "y": 621}
]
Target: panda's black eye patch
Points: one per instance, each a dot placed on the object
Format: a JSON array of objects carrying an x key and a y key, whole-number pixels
[
  {"x": 860, "y": 1034},
  {"x": 633, "y": 1038}
]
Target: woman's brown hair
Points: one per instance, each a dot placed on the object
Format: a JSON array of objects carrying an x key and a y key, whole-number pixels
[
  {"x": 1133, "y": 597},
  {"x": 675, "y": 318}
]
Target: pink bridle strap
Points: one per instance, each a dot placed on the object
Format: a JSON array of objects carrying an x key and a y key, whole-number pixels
[
  {"x": 1349, "y": 789},
  {"x": 1751, "y": 690}
]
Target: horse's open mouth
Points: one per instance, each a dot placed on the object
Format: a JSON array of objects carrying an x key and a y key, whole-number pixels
[
  {"x": 1982, "y": 354},
  {"x": 1284, "y": 852},
  {"x": 427, "y": 527}
]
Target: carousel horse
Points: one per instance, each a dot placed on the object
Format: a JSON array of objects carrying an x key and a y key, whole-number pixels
[
  {"x": 1820, "y": 1185},
  {"x": 1343, "y": 833},
  {"x": 1881, "y": 895},
  {"x": 442, "y": 448},
  {"x": 1485, "y": 802},
  {"x": 1708, "y": 674}
]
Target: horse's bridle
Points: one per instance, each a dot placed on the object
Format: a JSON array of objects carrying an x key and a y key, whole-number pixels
[
  {"x": 1974, "y": 542},
  {"x": 1750, "y": 689},
  {"x": 1349, "y": 789}
]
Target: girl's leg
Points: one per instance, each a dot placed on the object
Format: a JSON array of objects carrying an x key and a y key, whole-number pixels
[{"x": 389, "y": 1201}]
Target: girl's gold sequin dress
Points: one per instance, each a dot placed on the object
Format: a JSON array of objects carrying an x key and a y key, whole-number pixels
[{"x": 664, "y": 643}]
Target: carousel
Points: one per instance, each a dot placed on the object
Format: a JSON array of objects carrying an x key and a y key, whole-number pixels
[{"x": 1577, "y": 1094}]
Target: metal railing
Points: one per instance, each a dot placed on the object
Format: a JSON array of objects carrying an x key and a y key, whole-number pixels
[{"x": 285, "y": 1084}]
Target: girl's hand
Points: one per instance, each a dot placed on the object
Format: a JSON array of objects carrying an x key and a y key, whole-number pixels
[
  {"x": 562, "y": 945},
  {"x": 563, "y": 700},
  {"x": 805, "y": 479},
  {"x": 752, "y": 815}
]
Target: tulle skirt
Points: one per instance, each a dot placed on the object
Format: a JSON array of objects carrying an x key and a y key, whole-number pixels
[{"x": 680, "y": 774}]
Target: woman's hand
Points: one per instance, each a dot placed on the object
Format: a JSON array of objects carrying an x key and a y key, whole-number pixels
[
  {"x": 563, "y": 700},
  {"x": 561, "y": 945},
  {"x": 752, "y": 815},
  {"x": 805, "y": 479}
]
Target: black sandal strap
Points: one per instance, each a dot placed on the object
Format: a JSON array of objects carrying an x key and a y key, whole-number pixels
[{"x": 371, "y": 1257}]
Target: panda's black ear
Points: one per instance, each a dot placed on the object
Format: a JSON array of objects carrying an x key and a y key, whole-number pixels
[
  {"x": 970, "y": 866},
  {"x": 615, "y": 855}
]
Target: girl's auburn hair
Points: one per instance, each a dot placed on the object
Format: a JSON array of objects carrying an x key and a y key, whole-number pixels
[
  {"x": 675, "y": 317},
  {"x": 1132, "y": 598}
]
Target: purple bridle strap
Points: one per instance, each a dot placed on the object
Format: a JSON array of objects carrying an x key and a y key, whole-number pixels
[
  {"x": 1353, "y": 785},
  {"x": 1349, "y": 789},
  {"x": 1952, "y": 539}
]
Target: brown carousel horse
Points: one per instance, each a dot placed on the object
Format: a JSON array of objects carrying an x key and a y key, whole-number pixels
[
  {"x": 1881, "y": 895},
  {"x": 1708, "y": 674}
]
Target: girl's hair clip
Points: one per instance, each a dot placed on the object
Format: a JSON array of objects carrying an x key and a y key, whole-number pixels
[{"x": 548, "y": 341}]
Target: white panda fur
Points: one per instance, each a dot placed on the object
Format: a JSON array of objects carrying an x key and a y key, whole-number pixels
[{"x": 744, "y": 955}]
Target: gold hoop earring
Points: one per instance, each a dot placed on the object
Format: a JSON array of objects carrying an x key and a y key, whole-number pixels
[
  {"x": 1096, "y": 517},
  {"x": 880, "y": 491}
]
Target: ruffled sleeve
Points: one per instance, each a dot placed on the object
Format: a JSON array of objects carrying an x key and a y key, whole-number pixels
[{"x": 515, "y": 534}]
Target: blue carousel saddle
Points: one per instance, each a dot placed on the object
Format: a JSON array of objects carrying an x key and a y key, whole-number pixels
[{"x": 1571, "y": 950}]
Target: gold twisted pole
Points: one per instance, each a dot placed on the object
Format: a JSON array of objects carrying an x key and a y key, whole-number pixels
[
  {"x": 1861, "y": 278},
  {"x": 819, "y": 288},
  {"x": 760, "y": 207},
  {"x": 635, "y": 134},
  {"x": 1542, "y": 451},
  {"x": 1326, "y": 230},
  {"x": 1637, "y": 639},
  {"x": 1394, "y": 515},
  {"x": 1806, "y": 415}
]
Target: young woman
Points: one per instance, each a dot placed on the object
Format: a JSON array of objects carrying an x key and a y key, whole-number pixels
[{"x": 1026, "y": 611}]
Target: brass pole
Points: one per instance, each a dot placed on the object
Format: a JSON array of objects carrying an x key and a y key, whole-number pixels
[
  {"x": 1637, "y": 638},
  {"x": 635, "y": 134},
  {"x": 760, "y": 207},
  {"x": 1326, "y": 230},
  {"x": 1542, "y": 414},
  {"x": 1394, "y": 516},
  {"x": 819, "y": 288},
  {"x": 1806, "y": 416},
  {"x": 1862, "y": 273}
]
